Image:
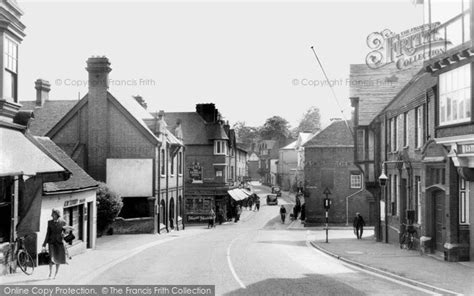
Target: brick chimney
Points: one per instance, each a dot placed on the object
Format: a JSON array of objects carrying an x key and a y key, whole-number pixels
[
  {"x": 98, "y": 127},
  {"x": 208, "y": 112},
  {"x": 42, "y": 91}
]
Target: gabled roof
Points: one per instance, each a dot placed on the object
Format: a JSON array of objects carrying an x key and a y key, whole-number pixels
[
  {"x": 375, "y": 88},
  {"x": 416, "y": 87},
  {"x": 47, "y": 115},
  {"x": 79, "y": 179},
  {"x": 290, "y": 146},
  {"x": 192, "y": 125},
  {"x": 336, "y": 134}
]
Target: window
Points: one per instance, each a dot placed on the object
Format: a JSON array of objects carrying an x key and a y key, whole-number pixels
[
  {"x": 463, "y": 201},
  {"x": 162, "y": 162},
  {"x": 417, "y": 199},
  {"x": 455, "y": 95},
  {"x": 180, "y": 162},
  {"x": 219, "y": 173},
  {"x": 389, "y": 134},
  {"x": 172, "y": 166},
  {"x": 356, "y": 181},
  {"x": 419, "y": 127},
  {"x": 405, "y": 129},
  {"x": 10, "y": 71},
  {"x": 394, "y": 195},
  {"x": 395, "y": 134},
  {"x": 220, "y": 147}
]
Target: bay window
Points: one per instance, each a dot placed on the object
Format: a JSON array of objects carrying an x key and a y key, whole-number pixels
[{"x": 455, "y": 96}]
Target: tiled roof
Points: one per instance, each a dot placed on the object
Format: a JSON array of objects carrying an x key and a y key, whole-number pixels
[
  {"x": 290, "y": 146},
  {"x": 417, "y": 86},
  {"x": 215, "y": 131},
  {"x": 192, "y": 125},
  {"x": 79, "y": 178},
  {"x": 377, "y": 87},
  {"x": 48, "y": 115},
  {"x": 336, "y": 134}
]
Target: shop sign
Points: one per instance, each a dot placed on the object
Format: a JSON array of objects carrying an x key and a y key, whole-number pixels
[
  {"x": 195, "y": 172},
  {"x": 406, "y": 48},
  {"x": 467, "y": 148},
  {"x": 73, "y": 202},
  {"x": 198, "y": 218}
]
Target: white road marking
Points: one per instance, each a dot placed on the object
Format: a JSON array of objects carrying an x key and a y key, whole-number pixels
[
  {"x": 231, "y": 267},
  {"x": 308, "y": 244}
]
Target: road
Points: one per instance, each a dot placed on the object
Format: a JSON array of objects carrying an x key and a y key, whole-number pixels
[{"x": 256, "y": 256}]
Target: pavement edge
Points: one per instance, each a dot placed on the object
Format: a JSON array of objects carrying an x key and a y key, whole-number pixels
[{"x": 385, "y": 273}]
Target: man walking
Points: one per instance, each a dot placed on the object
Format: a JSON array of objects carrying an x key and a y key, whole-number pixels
[
  {"x": 358, "y": 224},
  {"x": 283, "y": 214}
]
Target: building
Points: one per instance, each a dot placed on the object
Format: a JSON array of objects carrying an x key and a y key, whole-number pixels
[
  {"x": 268, "y": 154},
  {"x": 291, "y": 163},
  {"x": 24, "y": 166},
  {"x": 211, "y": 165},
  {"x": 109, "y": 138},
  {"x": 253, "y": 165},
  {"x": 422, "y": 143},
  {"x": 75, "y": 197},
  {"x": 287, "y": 163},
  {"x": 329, "y": 172},
  {"x": 241, "y": 164}
]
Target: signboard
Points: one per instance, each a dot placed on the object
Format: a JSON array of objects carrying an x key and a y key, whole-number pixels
[
  {"x": 195, "y": 172},
  {"x": 406, "y": 48},
  {"x": 74, "y": 202},
  {"x": 467, "y": 148},
  {"x": 195, "y": 218}
]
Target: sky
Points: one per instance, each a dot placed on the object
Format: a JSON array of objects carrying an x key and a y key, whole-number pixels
[{"x": 252, "y": 59}]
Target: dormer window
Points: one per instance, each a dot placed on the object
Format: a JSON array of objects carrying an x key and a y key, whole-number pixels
[{"x": 220, "y": 147}]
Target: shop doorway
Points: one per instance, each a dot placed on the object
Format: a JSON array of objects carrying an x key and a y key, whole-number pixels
[
  {"x": 171, "y": 213},
  {"x": 438, "y": 221}
]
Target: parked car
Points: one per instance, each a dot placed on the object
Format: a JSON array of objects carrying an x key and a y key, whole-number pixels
[
  {"x": 276, "y": 190},
  {"x": 272, "y": 199}
]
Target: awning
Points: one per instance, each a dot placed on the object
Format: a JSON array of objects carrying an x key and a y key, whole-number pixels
[
  {"x": 238, "y": 194},
  {"x": 19, "y": 154}
]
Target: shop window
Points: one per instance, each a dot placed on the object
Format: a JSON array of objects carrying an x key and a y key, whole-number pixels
[
  {"x": 74, "y": 216},
  {"x": 455, "y": 96},
  {"x": 356, "y": 181},
  {"x": 463, "y": 201}
]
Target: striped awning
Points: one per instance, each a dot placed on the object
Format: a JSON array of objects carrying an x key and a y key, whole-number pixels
[{"x": 238, "y": 194}]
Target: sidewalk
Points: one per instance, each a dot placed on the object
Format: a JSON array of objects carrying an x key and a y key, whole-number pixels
[
  {"x": 389, "y": 260},
  {"x": 110, "y": 250}
]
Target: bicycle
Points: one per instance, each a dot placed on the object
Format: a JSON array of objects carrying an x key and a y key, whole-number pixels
[
  {"x": 20, "y": 255},
  {"x": 407, "y": 240}
]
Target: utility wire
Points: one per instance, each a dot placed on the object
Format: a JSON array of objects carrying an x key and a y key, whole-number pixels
[{"x": 332, "y": 90}]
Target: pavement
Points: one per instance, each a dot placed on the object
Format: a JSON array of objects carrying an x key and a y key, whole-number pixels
[{"x": 410, "y": 266}]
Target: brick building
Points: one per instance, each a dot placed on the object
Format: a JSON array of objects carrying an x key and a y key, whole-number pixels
[
  {"x": 109, "y": 139},
  {"x": 329, "y": 166},
  {"x": 212, "y": 162}
]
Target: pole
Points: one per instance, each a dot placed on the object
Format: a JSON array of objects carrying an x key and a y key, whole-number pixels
[{"x": 327, "y": 226}]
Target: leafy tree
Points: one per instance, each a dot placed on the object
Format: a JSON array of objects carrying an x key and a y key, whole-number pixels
[
  {"x": 310, "y": 122},
  {"x": 276, "y": 128},
  {"x": 246, "y": 135},
  {"x": 109, "y": 205}
]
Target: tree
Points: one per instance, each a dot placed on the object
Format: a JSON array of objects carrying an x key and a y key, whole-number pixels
[
  {"x": 109, "y": 205},
  {"x": 246, "y": 135},
  {"x": 275, "y": 128},
  {"x": 310, "y": 122}
]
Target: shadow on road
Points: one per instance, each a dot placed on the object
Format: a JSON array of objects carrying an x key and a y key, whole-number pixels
[{"x": 308, "y": 285}]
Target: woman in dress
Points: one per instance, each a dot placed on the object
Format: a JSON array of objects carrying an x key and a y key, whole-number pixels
[{"x": 54, "y": 239}]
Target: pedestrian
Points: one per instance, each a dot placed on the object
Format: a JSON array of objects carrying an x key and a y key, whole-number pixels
[
  {"x": 282, "y": 214},
  {"x": 54, "y": 238},
  {"x": 358, "y": 224},
  {"x": 212, "y": 218},
  {"x": 220, "y": 215},
  {"x": 257, "y": 203},
  {"x": 250, "y": 203},
  {"x": 238, "y": 211},
  {"x": 303, "y": 212}
]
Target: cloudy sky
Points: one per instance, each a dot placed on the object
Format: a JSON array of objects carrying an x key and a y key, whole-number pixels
[{"x": 252, "y": 59}]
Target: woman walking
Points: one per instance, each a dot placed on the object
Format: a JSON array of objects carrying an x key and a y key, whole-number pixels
[{"x": 54, "y": 239}]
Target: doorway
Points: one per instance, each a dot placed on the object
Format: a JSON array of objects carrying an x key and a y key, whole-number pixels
[
  {"x": 438, "y": 221},
  {"x": 171, "y": 213}
]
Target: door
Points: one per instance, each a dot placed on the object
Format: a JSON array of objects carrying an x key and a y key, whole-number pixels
[
  {"x": 89, "y": 225},
  {"x": 438, "y": 207}
]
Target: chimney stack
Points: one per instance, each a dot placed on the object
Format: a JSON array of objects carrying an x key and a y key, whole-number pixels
[{"x": 42, "y": 91}]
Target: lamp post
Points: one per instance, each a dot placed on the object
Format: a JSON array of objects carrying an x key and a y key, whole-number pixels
[
  {"x": 327, "y": 205},
  {"x": 383, "y": 181}
]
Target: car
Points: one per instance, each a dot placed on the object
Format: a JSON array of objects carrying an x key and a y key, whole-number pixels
[
  {"x": 276, "y": 190},
  {"x": 272, "y": 199}
]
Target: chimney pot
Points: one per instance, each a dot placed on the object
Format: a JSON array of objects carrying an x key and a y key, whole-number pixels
[{"x": 42, "y": 91}]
